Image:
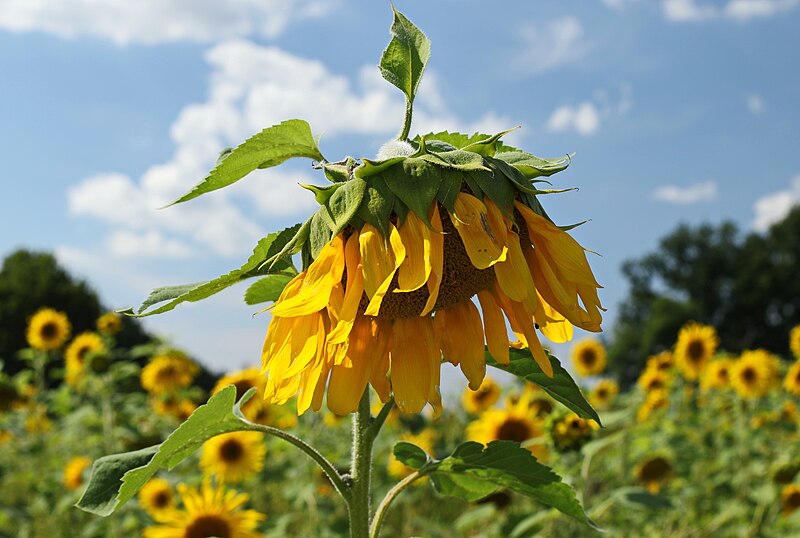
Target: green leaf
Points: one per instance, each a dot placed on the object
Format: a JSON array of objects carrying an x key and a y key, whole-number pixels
[
  {"x": 505, "y": 464},
  {"x": 502, "y": 168},
  {"x": 293, "y": 246},
  {"x": 340, "y": 171},
  {"x": 376, "y": 206},
  {"x": 457, "y": 158},
  {"x": 319, "y": 234},
  {"x": 463, "y": 486},
  {"x": 449, "y": 189},
  {"x": 342, "y": 206},
  {"x": 561, "y": 386},
  {"x": 532, "y": 166},
  {"x": 217, "y": 416},
  {"x": 410, "y": 454},
  {"x": 488, "y": 146},
  {"x": 370, "y": 168},
  {"x": 415, "y": 182},
  {"x": 404, "y": 60},
  {"x": 322, "y": 194},
  {"x": 266, "y": 289},
  {"x": 637, "y": 497},
  {"x": 455, "y": 140},
  {"x": 270, "y": 147},
  {"x": 497, "y": 188},
  {"x": 175, "y": 295}
]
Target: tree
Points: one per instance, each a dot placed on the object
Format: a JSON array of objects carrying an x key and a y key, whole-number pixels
[{"x": 745, "y": 286}]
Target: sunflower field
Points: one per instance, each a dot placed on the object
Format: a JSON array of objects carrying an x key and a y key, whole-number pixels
[{"x": 436, "y": 256}]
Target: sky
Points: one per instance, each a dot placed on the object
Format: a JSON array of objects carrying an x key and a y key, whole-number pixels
[{"x": 677, "y": 111}]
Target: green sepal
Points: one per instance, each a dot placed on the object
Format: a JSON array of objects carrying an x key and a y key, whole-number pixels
[
  {"x": 340, "y": 171},
  {"x": 266, "y": 289},
  {"x": 270, "y": 147},
  {"x": 376, "y": 206},
  {"x": 449, "y": 189},
  {"x": 322, "y": 194},
  {"x": 319, "y": 234},
  {"x": 370, "y": 168},
  {"x": 415, "y": 182},
  {"x": 537, "y": 192},
  {"x": 404, "y": 60},
  {"x": 457, "y": 158},
  {"x": 437, "y": 146},
  {"x": 293, "y": 246},
  {"x": 569, "y": 227},
  {"x": 497, "y": 188},
  {"x": 531, "y": 201},
  {"x": 473, "y": 185},
  {"x": 106, "y": 493},
  {"x": 266, "y": 248},
  {"x": 410, "y": 455},
  {"x": 342, "y": 206},
  {"x": 532, "y": 166},
  {"x": 502, "y": 168},
  {"x": 488, "y": 146},
  {"x": 455, "y": 140},
  {"x": 561, "y": 386}
]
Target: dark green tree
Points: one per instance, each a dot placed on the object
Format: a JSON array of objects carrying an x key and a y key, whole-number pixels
[{"x": 746, "y": 286}]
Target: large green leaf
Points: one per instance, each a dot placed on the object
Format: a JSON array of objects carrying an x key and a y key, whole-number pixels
[
  {"x": 376, "y": 206},
  {"x": 342, "y": 206},
  {"x": 266, "y": 289},
  {"x": 415, "y": 182},
  {"x": 497, "y": 188},
  {"x": 175, "y": 295},
  {"x": 410, "y": 454},
  {"x": 502, "y": 168},
  {"x": 473, "y": 469},
  {"x": 404, "y": 60},
  {"x": 106, "y": 493},
  {"x": 270, "y": 147},
  {"x": 319, "y": 234},
  {"x": 533, "y": 166},
  {"x": 561, "y": 386}
]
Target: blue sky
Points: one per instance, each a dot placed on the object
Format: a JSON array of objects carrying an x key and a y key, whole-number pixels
[{"x": 678, "y": 111}]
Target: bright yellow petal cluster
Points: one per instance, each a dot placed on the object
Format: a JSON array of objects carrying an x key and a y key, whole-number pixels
[
  {"x": 385, "y": 310},
  {"x": 515, "y": 422},
  {"x": 662, "y": 361},
  {"x": 477, "y": 401},
  {"x": 794, "y": 341},
  {"x": 716, "y": 375},
  {"x": 589, "y": 357},
  {"x": 156, "y": 497},
  {"x": 168, "y": 373},
  {"x": 233, "y": 457},
  {"x": 790, "y": 498},
  {"x": 695, "y": 346},
  {"x": 78, "y": 350},
  {"x": 655, "y": 400},
  {"x": 603, "y": 394},
  {"x": 792, "y": 380},
  {"x": 73, "y": 472},
  {"x": 651, "y": 380},
  {"x": 109, "y": 323},
  {"x": 754, "y": 374},
  {"x": 571, "y": 432},
  {"x": 48, "y": 329}
]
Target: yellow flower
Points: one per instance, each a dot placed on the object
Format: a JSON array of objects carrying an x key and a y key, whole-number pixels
[
  {"x": 653, "y": 472},
  {"x": 603, "y": 394},
  {"x": 156, "y": 496},
  {"x": 651, "y": 380},
  {"x": 73, "y": 472},
  {"x": 77, "y": 352},
  {"x": 792, "y": 381},
  {"x": 256, "y": 409},
  {"x": 385, "y": 310},
  {"x": 48, "y": 329},
  {"x": 477, "y": 401},
  {"x": 662, "y": 361},
  {"x": 696, "y": 345},
  {"x": 109, "y": 323},
  {"x": 233, "y": 457},
  {"x": 515, "y": 422},
  {"x": 571, "y": 432},
  {"x": 794, "y": 341},
  {"x": 6, "y": 436},
  {"x": 790, "y": 498},
  {"x": 655, "y": 400},
  {"x": 172, "y": 405},
  {"x": 423, "y": 439},
  {"x": 208, "y": 511},
  {"x": 716, "y": 375},
  {"x": 752, "y": 375},
  {"x": 589, "y": 357},
  {"x": 243, "y": 380},
  {"x": 168, "y": 373}
]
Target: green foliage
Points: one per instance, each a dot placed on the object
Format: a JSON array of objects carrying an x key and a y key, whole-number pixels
[
  {"x": 266, "y": 289},
  {"x": 404, "y": 60},
  {"x": 410, "y": 455}
]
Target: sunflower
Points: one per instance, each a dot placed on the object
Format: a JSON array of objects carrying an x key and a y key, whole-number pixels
[
  {"x": 655, "y": 400},
  {"x": 662, "y": 361},
  {"x": 515, "y": 422},
  {"x": 156, "y": 496},
  {"x": 233, "y": 457},
  {"x": 478, "y": 401},
  {"x": 48, "y": 329},
  {"x": 653, "y": 472},
  {"x": 540, "y": 404},
  {"x": 168, "y": 373},
  {"x": 696, "y": 345},
  {"x": 589, "y": 357},
  {"x": 77, "y": 352},
  {"x": 794, "y": 341},
  {"x": 753, "y": 374},
  {"x": 790, "y": 498},
  {"x": 109, "y": 323},
  {"x": 792, "y": 380},
  {"x": 73, "y": 472},
  {"x": 603, "y": 394},
  {"x": 716, "y": 375},
  {"x": 209, "y": 511},
  {"x": 387, "y": 287},
  {"x": 256, "y": 409},
  {"x": 423, "y": 439},
  {"x": 174, "y": 406},
  {"x": 651, "y": 380},
  {"x": 571, "y": 432}
]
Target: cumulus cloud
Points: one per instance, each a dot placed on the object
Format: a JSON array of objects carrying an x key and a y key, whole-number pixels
[
  {"x": 251, "y": 87},
  {"x": 583, "y": 118},
  {"x": 741, "y": 10},
  {"x": 774, "y": 207},
  {"x": 545, "y": 47},
  {"x": 699, "y": 192},
  {"x": 158, "y": 21}
]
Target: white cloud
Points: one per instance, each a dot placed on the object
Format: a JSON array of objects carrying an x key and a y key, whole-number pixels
[
  {"x": 545, "y": 47},
  {"x": 583, "y": 118},
  {"x": 755, "y": 103},
  {"x": 774, "y": 207},
  {"x": 158, "y": 21},
  {"x": 699, "y": 192},
  {"x": 618, "y": 4},
  {"x": 741, "y": 10},
  {"x": 251, "y": 87}
]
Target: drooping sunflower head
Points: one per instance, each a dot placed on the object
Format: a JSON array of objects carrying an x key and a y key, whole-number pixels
[
  {"x": 48, "y": 329},
  {"x": 156, "y": 497},
  {"x": 653, "y": 472},
  {"x": 74, "y": 471},
  {"x": 392, "y": 260},
  {"x": 656, "y": 400},
  {"x": 168, "y": 373},
  {"x": 79, "y": 350},
  {"x": 603, "y": 394},
  {"x": 478, "y": 401},
  {"x": 515, "y": 422},
  {"x": 233, "y": 457},
  {"x": 109, "y": 323},
  {"x": 794, "y": 341},
  {"x": 589, "y": 357},
  {"x": 695, "y": 346},
  {"x": 753, "y": 374},
  {"x": 790, "y": 498},
  {"x": 208, "y": 511},
  {"x": 571, "y": 432},
  {"x": 717, "y": 375},
  {"x": 792, "y": 380},
  {"x": 424, "y": 439},
  {"x": 652, "y": 380}
]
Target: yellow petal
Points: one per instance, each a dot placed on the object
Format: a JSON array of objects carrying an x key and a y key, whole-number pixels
[
  {"x": 416, "y": 239},
  {"x": 321, "y": 276},
  {"x": 413, "y": 353},
  {"x": 522, "y": 323},
  {"x": 312, "y": 374},
  {"x": 396, "y": 254},
  {"x": 552, "y": 324},
  {"x": 347, "y": 384},
  {"x": 305, "y": 341},
  {"x": 461, "y": 335},
  {"x": 377, "y": 260},
  {"x": 353, "y": 293},
  {"x": 495, "y": 328},
  {"x": 485, "y": 246},
  {"x": 437, "y": 261},
  {"x": 514, "y": 275}
]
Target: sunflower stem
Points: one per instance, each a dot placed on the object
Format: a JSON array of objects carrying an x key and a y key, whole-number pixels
[
  {"x": 407, "y": 121},
  {"x": 383, "y": 507},
  {"x": 360, "y": 470}
]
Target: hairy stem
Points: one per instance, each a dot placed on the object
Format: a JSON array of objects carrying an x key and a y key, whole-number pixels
[
  {"x": 380, "y": 513},
  {"x": 407, "y": 120},
  {"x": 361, "y": 469}
]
